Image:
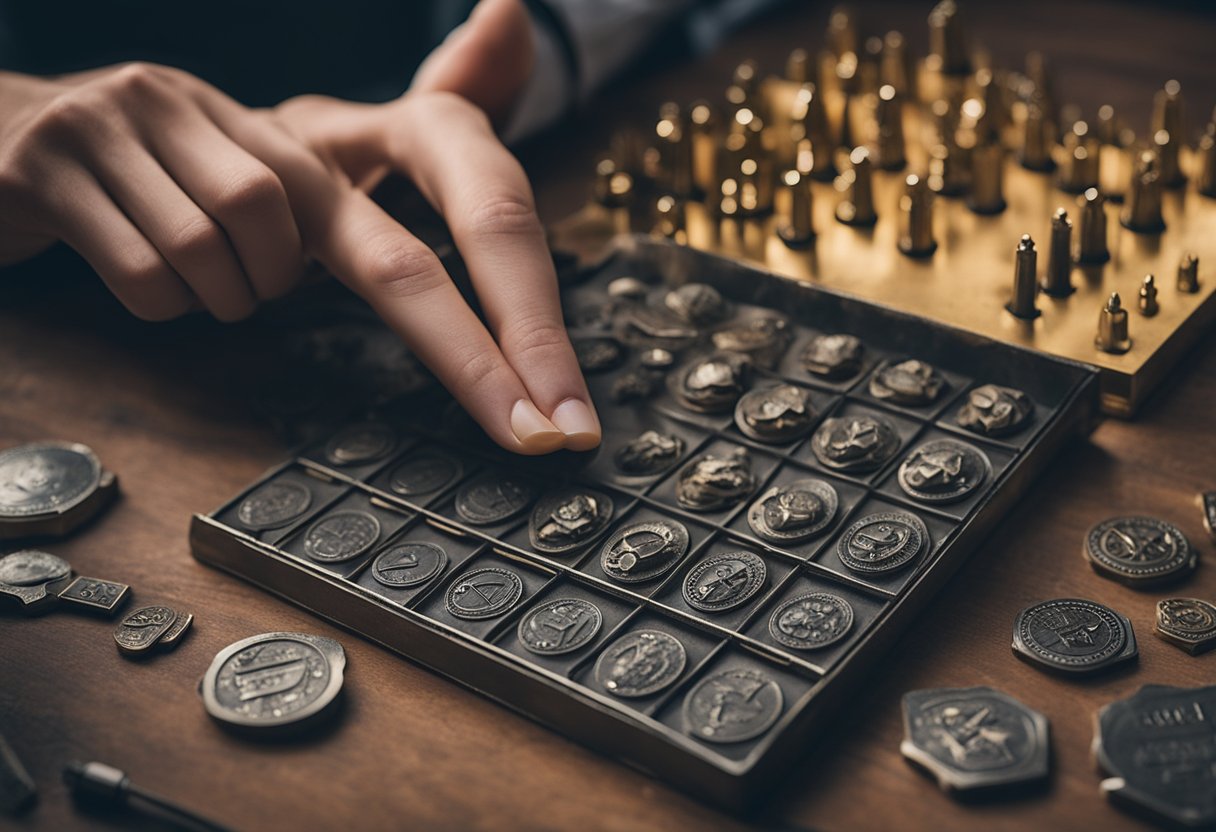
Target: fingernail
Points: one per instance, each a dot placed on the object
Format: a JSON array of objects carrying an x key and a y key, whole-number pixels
[
  {"x": 535, "y": 433},
  {"x": 579, "y": 423}
]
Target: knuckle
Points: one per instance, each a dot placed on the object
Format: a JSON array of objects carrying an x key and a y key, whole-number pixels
[
  {"x": 66, "y": 114},
  {"x": 536, "y": 336},
  {"x": 136, "y": 78},
  {"x": 195, "y": 238},
  {"x": 476, "y": 369},
  {"x": 248, "y": 192},
  {"x": 507, "y": 213},
  {"x": 404, "y": 271},
  {"x": 453, "y": 105}
]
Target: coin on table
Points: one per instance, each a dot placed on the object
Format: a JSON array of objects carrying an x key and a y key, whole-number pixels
[
  {"x": 273, "y": 505},
  {"x": 361, "y": 444},
  {"x": 711, "y": 482},
  {"x": 992, "y": 410},
  {"x": 733, "y": 705},
  {"x": 341, "y": 536},
  {"x": 763, "y": 338},
  {"x": 424, "y": 472},
  {"x": 794, "y": 512},
  {"x": 50, "y": 488},
  {"x": 173, "y": 635},
  {"x": 855, "y": 444},
  {"x": 1073, "y": 635},
  {"x": 811, "y": 621},
  {"x": 833, "y": 356},
  {"x": 1139, "y": 551},
  {"x": 29, "y": 576},
  {"x": 697, "y": 304},
  {"x": 1157, "y": 748},
  {"x": 484, "y": 593},
  {"x": 724, "y": 581},
  {"x": 274, "y": 681},
  {"x": 913, "y": 383},
  {"x": 643, "y": 551},
  {"x": 640, "y": 663},
  {"x": 565, "y": 518},
  {"x": 779, "y": 413},
  {"x": 883, "y": 542},
  {"x": 493, "y": 498},
  {"x": 409, "y": 564},
  {"x": 711, "y": 383},
  {"x": 598, "y": 355},
  {"x": 650, "y": 454},
  {"x": 944, "y": 471},
  {"x": 560, "y": 626},
  {"x": 974, "y": 740},
  {"x": 1188, "y": 623},
  {"x": 96, "y": 594},
  {"x": 142, "y": 629}
]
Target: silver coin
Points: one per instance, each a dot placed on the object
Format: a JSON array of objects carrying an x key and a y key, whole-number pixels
[
  {"x": 567, "y": 517},
  {"x": 560, "y": 626},
  {"x": 598, "y": 355},
  {"x": 28, "y": 576},
  {"x": 1188, "y": 623},
  {"x": 273, "y": 505},
  {"x": 141, "y": 630},
  {"x": 173, "y": 635},
  {"x": 644, "y": 551},
  {"x": 944, "y": 471},
  {"x": 780, "y": 413},
  {"x": 46, "y": 477},
  {"x": 273, "y": 680},
  {"x": 493, "y": 498},
  {"x": 883, "y": 542},
  {"x": 650, "y": 454},
  {"x": 811, "y": 621},
  {"x": 911, "y": 382},
  {"x": 711, "y": 482},
  {"x": 424, "y": 473},
  {"x": 855, "y": 443},
  {"x": 341, "y": 536},
  {"x": 640, "y": 663},
  {"x": 992, "y": 410},
  {"x": 724, "y": 581},
  {"x": 763, "y": 339},
  {"x": 732, "y": 705},
  {"x": 1073, "y": 635},
  {"x": 796, "y": 511},
  {"x": 409, "y": 564},
  {"x": 483, "y": 593},
  {"x": 711, "y": 383},
  {"x": 1140, "y": 551},
  {"x": 696, "y": 303},
  {"x": 833, "y": 356},
  {"x": 361, "y": 444},
  {"x": 646, "y": 328}
]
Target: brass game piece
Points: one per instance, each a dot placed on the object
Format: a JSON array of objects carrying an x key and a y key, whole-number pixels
[
  {"x": 1022, "y": 303},
  {"x": 1142, "y": 213},
  {"x": 1188, "y": 274},
  {"x": 1057, "y": 281},
  {"x": 856, "y": 207},
  {"x": 916, "y": 217},
  {"x": 1091, "y": 238},
  {"x": 1148, "y": 297},
  {"x": 1112, "y": 327}
]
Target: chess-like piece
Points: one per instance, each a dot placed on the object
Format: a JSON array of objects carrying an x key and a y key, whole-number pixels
[
  {"x": 1142, "y": 213},
  {"x": 1112, "y": 334},
  {"x": 995, "y": 116},
  {"x": 895, "y": 68},
  {"x": 1036, "y": 140},
  {"x": 1025, "y": 285},
  {"x": 1079, "y": 171},
  {"x": 810, "y": 123},
  {"x": 947, "y": 42},
  {"x": 856, "y": 207},
  {"x": 1168, "y": 133},
  {"x": 797, "y": 231},
  {"x": 1148, "y": 297},
  {"x": 987, "y": 179},
  {"x": 916, "y": 219},
  {"x": 1057, "y": 281},
  {"x": 948, "y": 173},
  {"x": 1188, "y": 274},
  {"x": 889, "y": 115},
  {"x": 1091, "y": 246}
]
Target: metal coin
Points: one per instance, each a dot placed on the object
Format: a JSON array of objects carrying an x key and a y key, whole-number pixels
[
  {"x": 341, "y": 536},
  {"x": 855, "y": 443},
  {"x": 598, "y": 355},
  {"x": 657, "y": 359},
  {"x": 560, "y": 626},
  {"x": 992, "y": 410},
  {"x": 27, "y": 575},
  {"x": 46, "y": 477},
  {"x": 732, "y": 705},
  {"x": 1157, "y": 748},
  {"x": 1073, "y": 635},
  {"x": 566, "y": 518},
  {"x": 1188, "y": 623},
  {"x": 409, "y": 564},
  {"x": 974, "y": 739},
  {"x": 796, "y": 511},
  {"x": 724, "y": 582},
  {"x": 140, "y": 631},
  {"x": 424, "y": 473},
  {"x": 650, "y": 454},
  {"x": 909, "y": 382},
  {"x": 95, "y": 594},
  {"x": 493, "y": 498},
  {"x": 944, "y": 471},
  {"x": 647, "y": 328},
  {"x": 644, "y": 551},
  {"x": 696, "y": 303},
  {"x": 361, "y": 444},
  {"x": 833, "y": 356},
  {"x": 883, "y": 542},
  {"x": 812, "y": 621},
  {"x": 712, "y": 383},
  {"x": 712, "y": 482},
  {"x": 1139, "y": 551},
  {"x": 775, "y": 414},
  {"x": 273, "y": 505},
  {"x": 484, "y": 593},
  {"x": 1207, "y": 501},
  {"x": 763, "y": 339},
  {"x": 640, "y": 663},
  {"x": 174, "y": 634},
  {"x": 273, "y": 680}
]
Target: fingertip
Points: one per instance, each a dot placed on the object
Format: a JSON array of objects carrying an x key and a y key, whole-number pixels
[
  {"x": 579, "y": 424},
  {"x": 534, "y": 433}
]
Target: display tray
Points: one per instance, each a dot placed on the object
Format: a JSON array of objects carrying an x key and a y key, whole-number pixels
[{"x": 582, "y": 641}]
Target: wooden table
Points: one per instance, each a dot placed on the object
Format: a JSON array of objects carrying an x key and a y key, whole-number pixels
[{"x": 415, "y": 751}]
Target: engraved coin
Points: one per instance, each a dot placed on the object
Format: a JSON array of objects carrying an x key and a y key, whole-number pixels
[
  {"x": 46, "y": 477},
  {"x": 565, "y": 518},
  {"x": 724, "y": 582},
  {"x": 1188, "y": 623},
  {"x": 855, "y": 443},
  {"x": 141, "y": 630},
  {"x": 711, "y": 482},
  {"x": 732, "y": 705},
  {"x": 796, "y": 511},
  {"x": 696, "y": 303},
  {"x": 1139, "y": 551},
  {"x": 763, "y": 339},
  {"x": 560, "y": 626},
  {"x": 883, "y": 542},
  {"x": 833, "y": 356},
  {"x": 640, "y": 663},
  {"x": 775, "y": 414},
  {"x": 341, "y": 536},
  {"x": 27, "y": 576},
  {"x": 361, "y": 444},
  {"x": 911, "y": 383},
  {"x": 95, "y": 594},
  {"x": 811, "y": 621},
  {"x": 598, "y": 355},
  {"x": 273, "y": 680},
  {"x": 424, "y": 473},
  {"x": 1073, "y": 635},
  {"x": 174, "y": 634},
  {"x": 992, "y": 410},
  {"x": 944, "y": 471},
  {"x": 493, "y": 498},
  {"x": 484, "y": 593},
  {"x": 273, "y": 505},
  {"x": 650, "y": 454},
  {"x": 409, "y": 564},
  {"x": 712, "y": 383},
  {"x": 643, "y": 551}
]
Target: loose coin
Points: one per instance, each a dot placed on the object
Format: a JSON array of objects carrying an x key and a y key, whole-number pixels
[
  {"x": 775, "y": 414},
  {"x": 560, "y": 626},
  {"x": 409, "y": 564},
  {"x": 732, "y": 705},
  {"x": 883, "y": 542},
  {"x": 833, "y": 356},
  {"x": 95, "y": 594},
  {"x": 793, "y": 512},
  {"x": 493, "y": 498},
  {"x": 567, "y": 517},
  {"x": 725, "y": 581},
  {"x": 484, "y": 593},
  {"x": 650, "y": 454},
  {"x": 711, "y": 482},
  {"x": 174, "y": 634},
  {"x": 273, "y": 505},
  {"x": 811, "y": 621},
  {"x": 643, "y": 551},
  {"x": 944, "y": 471},
  {"x": 361, "y": 444},
  {"x": 272, "y": 681},
  {"x": 763, "y": 339},
  {"x": 598, "y": 355},
  {"x": 1139, "y": 551},
  {"x": 140, "y": 631},
  {"x": 1188, "y": 623},
  {"x": 1073, "y": 635},
  {"x": 975, "y": 739},
  {"x": 28, "y": 575},
  {"x": 640, "y": 663},
  {"x": 855, "y": 443},
  {"x": 911, "y": 382},
  {"x": 992, "y": 410},
  {"x": 696, "y": 303},
  {"x": 46, "y": 477},
  {"x": 341, "y": 536},
  {"x": 713, "y": 383},
  {"x": 424, "y": 473}
]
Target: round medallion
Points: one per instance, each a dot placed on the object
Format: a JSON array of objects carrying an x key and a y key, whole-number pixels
[
  {"x": 696, "y": 303},
  {"x": 883, "y": 542},
  {"x": 31, "y": 567},
  {"x": 732, "y": 705},
  {"x": 644, "y": 551},
  {"x": 992, "y": 410},
  {"x": 566, "y": 518},
  {"x": 724, "y": 582},
  {"x": 711, "y": 482},
  {"x": 944, "y": 471},
  {"x": 361, "y": 444},
  {"x": 484, "y": 593},
  {"x": 763, "y": 338},
  {"x": 493, "y": 498},
  {"x": 1139, "y": 551},
  {"x": 777, "y": 414},
  {"x": 811, "y": 621},
  {"x": 561, "y": 626},
  {"x": 409, "y": 564},
  {"x": 46, "y": 477},
  {"x": 598, "y": 355},
  {"x": 1074, "y": 635},
  {"x": 712, "y": 383},
  {"x": 650, "y": 454},
  {"x": 1188, "y": 623},
  {"x": 793, "y": 512},
  {"x": 640, "y": 663},
  {"x": 833, "y": 356},
  {"x": 273, "y": 505},
  {"x": 854, "y": 443},
  {"x": 424, "y": 473},
  {"x": 141, "y": 630},
  {"x": 341, "y": 536},
  {"x": 912, "y": 383}
]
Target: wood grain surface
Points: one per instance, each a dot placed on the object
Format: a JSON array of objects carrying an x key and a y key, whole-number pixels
[{"x": 413, "y": 751}]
